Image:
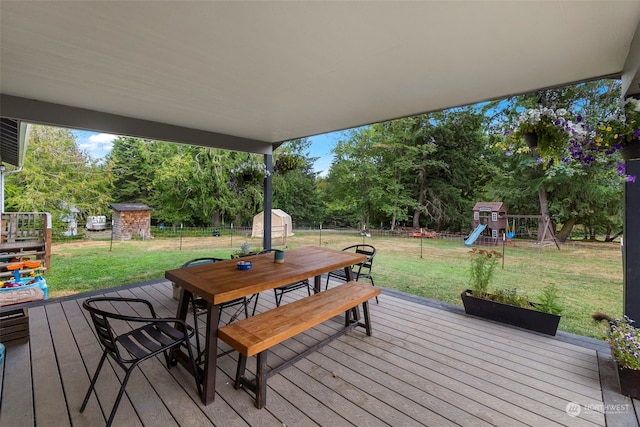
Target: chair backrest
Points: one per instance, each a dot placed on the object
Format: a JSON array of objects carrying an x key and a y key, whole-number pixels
[
  {"x": 101, "y": 318},
  {"x": 101, "y": 324},
  {"x": 364, "y": 267},
  {"x": 200, "y": 261}
]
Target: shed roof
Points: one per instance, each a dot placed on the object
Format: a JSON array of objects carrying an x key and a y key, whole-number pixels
[
  {"x": 494, "y": 206},
  {"x": 129, "y": 207}
]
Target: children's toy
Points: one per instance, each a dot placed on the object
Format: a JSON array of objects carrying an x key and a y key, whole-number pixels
[{"x": 35, "y": 279}]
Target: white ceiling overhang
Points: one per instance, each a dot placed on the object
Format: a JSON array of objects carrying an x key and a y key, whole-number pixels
[{"x": 249, "y": 75}]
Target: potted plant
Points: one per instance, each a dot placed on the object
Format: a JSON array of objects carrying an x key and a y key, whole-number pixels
[
  {"x": 544, "y": 128},
  {"x": 245, "y": 250},
  {"x": 248, "y": 173},
  {"x": 558, "y": 138},
  {"x": 506, "y": 305},
  {"x": 624, "y": 340}
]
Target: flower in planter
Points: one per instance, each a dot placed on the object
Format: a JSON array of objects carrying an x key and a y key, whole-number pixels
[
  {"x": 624, "y": 340},
  {"x": 482, "y": 268}
]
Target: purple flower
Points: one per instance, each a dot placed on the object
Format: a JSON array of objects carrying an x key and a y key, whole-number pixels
[
  {"x": 579, "y": 119},
  {"x": 630, "y": 178}
]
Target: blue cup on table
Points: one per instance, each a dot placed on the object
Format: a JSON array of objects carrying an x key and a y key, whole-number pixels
[{"x": 278, "y": 256}]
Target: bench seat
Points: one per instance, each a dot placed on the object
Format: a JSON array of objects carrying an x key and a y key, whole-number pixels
[{"x": 256, "y": 335}]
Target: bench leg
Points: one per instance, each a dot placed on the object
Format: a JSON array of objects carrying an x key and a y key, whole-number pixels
[
  {"x": 242, "y": 365},
  {"x": 347, "y": 316},
  {"x": 367, "y": 319},
  {"x": 261, "y": 379}
]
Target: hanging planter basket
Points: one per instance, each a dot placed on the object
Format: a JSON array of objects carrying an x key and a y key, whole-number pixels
[
  {"x": 631, "y": 150},
  {"x": 531, "y": 138}
]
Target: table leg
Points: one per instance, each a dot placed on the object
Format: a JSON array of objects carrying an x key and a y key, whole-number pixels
[
  {"x": 211, "y": 355},
  {"x": 349, "y": 273},
  {"x": 177, "y": 354},
  {"x": 317, "y": 284},
  {"x": 183, "y": 304}
]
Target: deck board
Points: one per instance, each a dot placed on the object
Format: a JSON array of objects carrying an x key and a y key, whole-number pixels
[
  {"x": 17, "y": 400},
  {"x": 108, "y": 382},
  {"x": 423, "y": 365},
  {"x": 46, "y": 388}
]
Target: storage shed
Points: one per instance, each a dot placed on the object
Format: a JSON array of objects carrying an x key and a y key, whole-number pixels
[
  {"x": 131, "y": 219},
  {"x": 281, "y": 225}
]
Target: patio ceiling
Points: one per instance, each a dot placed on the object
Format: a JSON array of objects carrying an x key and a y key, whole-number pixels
[{"x": 249, "y": 75}]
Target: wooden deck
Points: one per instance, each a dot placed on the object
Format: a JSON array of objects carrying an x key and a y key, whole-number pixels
[{"x": 426, "y": 364}]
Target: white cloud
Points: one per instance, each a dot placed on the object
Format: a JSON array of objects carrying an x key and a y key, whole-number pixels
[
  {"x": 97, "y": 145},
  {"x": 103, "y": 138}
]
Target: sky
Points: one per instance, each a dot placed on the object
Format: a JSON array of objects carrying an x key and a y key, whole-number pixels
[{"x": 99, "y": 145}]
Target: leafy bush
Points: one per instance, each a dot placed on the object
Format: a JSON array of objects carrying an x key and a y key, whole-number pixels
[
  {"x": 549, "y": 301},
  {"x": 483, "y": 265}
]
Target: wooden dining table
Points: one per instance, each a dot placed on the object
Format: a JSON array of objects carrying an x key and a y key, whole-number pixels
[{"x": 222, "y": 281}]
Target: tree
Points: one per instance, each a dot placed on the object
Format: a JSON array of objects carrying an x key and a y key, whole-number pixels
[
  {"x": 568, "y": 190},
  {"x": 294, "y": 183},
  {"x": 133, "y": 172},
  {"x": 57, "y": 176},
  {"x": 428, "y": 166}
]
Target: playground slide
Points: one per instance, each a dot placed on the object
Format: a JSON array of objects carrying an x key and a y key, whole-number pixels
[{"x": 473, "y": 236}]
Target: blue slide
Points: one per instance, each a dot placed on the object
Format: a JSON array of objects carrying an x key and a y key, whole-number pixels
[{"x": 473, "y": 236}]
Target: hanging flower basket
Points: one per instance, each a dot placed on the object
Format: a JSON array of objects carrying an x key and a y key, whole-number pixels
[
  {"x": 248, "y": 173},
  {"x": 531, "y": 138},
  {"x": 287, "y": 163},
  {"x": 631, "y": 150}
]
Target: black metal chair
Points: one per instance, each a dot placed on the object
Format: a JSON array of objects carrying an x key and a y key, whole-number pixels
[
  {"x": 199, "y": 305},
  {"x": 128, "y": 350},
  {"x": 361, "y": 270},
  {"x": 281, "y": 290}
]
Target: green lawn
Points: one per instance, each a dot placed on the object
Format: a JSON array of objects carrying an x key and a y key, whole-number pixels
[{"x": 588, "y": 277}]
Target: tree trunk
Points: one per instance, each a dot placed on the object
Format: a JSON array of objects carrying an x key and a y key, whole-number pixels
[
  {"x": 544, "y": 211},
  {"x": 416, "y": 213},
  {"x": 215, "y": 219},
  {"x": 565, "y": 232}
]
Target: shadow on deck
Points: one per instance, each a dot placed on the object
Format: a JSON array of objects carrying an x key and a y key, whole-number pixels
[{"x": 427, "y": 363}]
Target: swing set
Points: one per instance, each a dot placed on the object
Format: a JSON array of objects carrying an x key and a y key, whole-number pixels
[{"x": 529, "y": 226}]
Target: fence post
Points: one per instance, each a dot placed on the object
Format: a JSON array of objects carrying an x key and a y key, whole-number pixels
[
  {"x": 320, "y": 235},
  {"x": 284, "y": 236},
  {"x": 180, "y": 236},
  {"x": 111, "y": 243}
]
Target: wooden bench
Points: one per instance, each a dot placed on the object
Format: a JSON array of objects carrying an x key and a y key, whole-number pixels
[{"x": 255, "y": 335}]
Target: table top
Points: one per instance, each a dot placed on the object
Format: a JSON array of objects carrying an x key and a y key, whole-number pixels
[{"x": 221, "y": 281}]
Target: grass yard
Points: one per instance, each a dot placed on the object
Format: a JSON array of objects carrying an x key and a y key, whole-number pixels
[{"x": 588, "y": 276}]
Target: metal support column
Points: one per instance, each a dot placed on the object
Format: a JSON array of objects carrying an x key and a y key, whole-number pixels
[
  {"x": 268, "y": 202},
  {"x": 631, "y": 243}
]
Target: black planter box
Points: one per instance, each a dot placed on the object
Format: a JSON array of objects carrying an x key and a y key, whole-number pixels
[
  {"x": 530, "y": 319},
  {"x": 629, "y": 382}
]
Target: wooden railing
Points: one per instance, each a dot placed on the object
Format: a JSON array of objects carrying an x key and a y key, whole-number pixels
[{"x": 24, "y": 236}]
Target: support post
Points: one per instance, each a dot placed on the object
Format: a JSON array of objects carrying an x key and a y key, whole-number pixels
[
  {"x": 631, "y": 243},
  {"x": 268, "y": 202}
]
